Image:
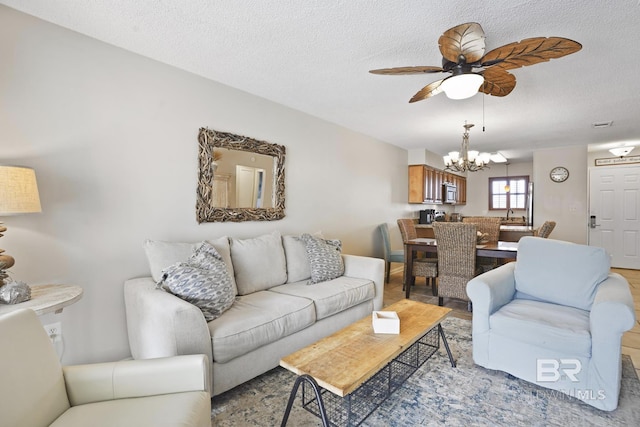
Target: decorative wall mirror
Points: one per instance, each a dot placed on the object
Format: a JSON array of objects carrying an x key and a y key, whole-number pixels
[{"x": 240, "y": 178}]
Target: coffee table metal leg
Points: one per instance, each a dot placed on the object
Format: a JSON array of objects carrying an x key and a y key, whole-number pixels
[
  {"x": 446, "y": 346},
  {"x": 292, "y": 397}
]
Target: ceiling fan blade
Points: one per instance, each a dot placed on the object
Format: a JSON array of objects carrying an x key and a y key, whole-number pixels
[
  {"x": 497, "y": 82},
  {"x": 466, "y": 39},
  {"x": 530, "y": 51},
  {"x": 408, "y": 70},
  {"x": 432, "y": 89}
]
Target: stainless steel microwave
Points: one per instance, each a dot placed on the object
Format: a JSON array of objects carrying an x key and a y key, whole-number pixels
[{"x": 449, "y": 192}]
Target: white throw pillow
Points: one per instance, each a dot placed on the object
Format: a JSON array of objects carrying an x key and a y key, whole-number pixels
[
  {"x": 162, "y": 254},
  {"x": 203, "y": 280},
  {"x": 259, "y": 263},
  {"x": 324, "y": 256},
  {"x": 298, "y": 267}
]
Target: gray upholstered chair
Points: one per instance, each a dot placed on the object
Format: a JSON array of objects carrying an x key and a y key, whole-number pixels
[
  {"x": 389, "y": 254},
  {"x": 35, "y": 390},
  {"x": 422, "y": 267},
  {"x": 545, "y": 229},
  {"x": 456, "y": 258},
  {"x": 555, "y": 317}
]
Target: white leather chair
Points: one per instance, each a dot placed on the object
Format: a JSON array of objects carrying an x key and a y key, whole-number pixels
[{"x": 36, "y": 391}]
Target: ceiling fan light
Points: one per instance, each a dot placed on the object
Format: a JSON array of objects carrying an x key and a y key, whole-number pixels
[
  {"x": 621, "y": 151},
  {"x": 462, "y": 86}
]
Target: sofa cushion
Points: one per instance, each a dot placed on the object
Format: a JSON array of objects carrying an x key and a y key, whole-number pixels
[
  {"x": 298, "y": 267},
  {"x": 162, "y": 254},
  {"x": 551, "y": 326},
  {"x": 203, "y": 280},
  {"x": 560, "y": 272},
  {"x": 259, "y": 263},
  {"x": 324, "y": 258},
  {"x": 332, "y": 296},
  {"x": 258, "y": 319}
]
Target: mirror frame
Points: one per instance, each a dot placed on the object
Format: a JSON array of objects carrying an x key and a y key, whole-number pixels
[{"x": 208, "y": 140}]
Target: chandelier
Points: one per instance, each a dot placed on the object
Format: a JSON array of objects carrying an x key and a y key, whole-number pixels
[{"x": 465, "y": 159}]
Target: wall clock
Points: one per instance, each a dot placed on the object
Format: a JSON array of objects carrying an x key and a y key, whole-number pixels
[{"x": 559, "y": 174}]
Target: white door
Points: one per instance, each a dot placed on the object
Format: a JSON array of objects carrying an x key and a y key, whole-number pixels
[
  {"x": 245, "y": 183},
  {"x": 614, "y": 209}
]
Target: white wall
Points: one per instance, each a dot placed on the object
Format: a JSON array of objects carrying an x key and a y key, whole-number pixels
[
  {"x": 113, "y": 139},
  {"x": 478, "y": 189},
  {"x": 565, "y": 202}
]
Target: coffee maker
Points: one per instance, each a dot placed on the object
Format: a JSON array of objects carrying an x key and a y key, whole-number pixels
[{"x": 427, "y": 216}]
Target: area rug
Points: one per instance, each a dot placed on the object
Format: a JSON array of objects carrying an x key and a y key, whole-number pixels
[{"x": 437, "y": 394}]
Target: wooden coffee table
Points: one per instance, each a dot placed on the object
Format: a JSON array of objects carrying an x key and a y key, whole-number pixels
[{"x": 354, "y": 370}]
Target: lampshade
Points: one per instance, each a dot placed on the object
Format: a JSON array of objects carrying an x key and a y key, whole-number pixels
[
  {"x": 462, "y": 86},
  {"x": 18, "y": 191}
]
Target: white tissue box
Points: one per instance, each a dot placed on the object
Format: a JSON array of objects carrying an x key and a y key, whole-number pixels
[{"x": 386, "y": 322}]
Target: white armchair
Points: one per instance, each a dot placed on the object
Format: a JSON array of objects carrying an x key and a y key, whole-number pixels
[
  {"x": 36, "y": 391},
  {"x": 555, "y": 317}
]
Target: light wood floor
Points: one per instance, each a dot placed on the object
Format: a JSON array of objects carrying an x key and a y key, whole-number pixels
[{"x": 630, "y": 341}]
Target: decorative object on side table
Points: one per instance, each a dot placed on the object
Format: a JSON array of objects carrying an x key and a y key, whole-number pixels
[
  {"x": 14, "y": 292},
  {"x": 18, "y": 195}
]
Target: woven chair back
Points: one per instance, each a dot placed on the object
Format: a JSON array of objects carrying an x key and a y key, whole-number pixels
[
  {"x": 485, "y": 225},
  {"x": 407, "y": 229},
  {"x": 545, "y": 229},
  {"x": 456, "y": 249}
]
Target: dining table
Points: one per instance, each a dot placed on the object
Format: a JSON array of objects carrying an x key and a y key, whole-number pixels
[{"x": 499, "y": 249}]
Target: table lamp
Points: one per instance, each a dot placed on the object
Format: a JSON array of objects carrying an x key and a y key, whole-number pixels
[{"x": 18, "y": 195}]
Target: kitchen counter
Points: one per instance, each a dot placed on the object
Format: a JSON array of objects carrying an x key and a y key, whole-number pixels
[{"x": 508, "y": 233}]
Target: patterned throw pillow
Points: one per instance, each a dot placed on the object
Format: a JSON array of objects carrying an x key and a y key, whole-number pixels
[
  {"x": 324, "y": 258},
  {"x": 203, "y": 280}
]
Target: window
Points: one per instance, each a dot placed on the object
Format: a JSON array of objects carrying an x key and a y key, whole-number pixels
[{"x": 516, "y": 198}]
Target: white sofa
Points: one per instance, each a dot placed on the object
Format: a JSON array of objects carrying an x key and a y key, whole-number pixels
[
  {"x": 35, "y": 391},
  {"x": 276, "y": 311}
]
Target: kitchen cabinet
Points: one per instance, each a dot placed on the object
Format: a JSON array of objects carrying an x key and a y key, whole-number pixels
[{"x": 425, "y": 185}]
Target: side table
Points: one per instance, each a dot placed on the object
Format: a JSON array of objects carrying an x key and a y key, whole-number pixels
[{"x": 47, "y": 299}]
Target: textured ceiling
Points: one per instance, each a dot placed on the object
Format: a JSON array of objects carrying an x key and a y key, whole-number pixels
[{"x": 314, "y": 56}]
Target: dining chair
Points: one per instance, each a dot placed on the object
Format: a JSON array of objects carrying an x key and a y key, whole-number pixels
[
  {"x": 489, "y": 225},
  {"x": 456, "y": 258},
  {"x": 422, "y": 267},
  {"x": 545, "y": 229},
  {"x": 389, "y": 254}
]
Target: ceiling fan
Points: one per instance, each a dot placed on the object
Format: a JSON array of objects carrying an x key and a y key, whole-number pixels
[{"x": 463, "y": 56}]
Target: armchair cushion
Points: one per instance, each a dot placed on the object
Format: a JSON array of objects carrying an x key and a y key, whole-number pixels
[
  {"x": 563, "y": 329},
  {"x": 560, "y": 272}
]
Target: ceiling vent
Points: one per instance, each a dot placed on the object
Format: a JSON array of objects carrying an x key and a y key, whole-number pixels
[{"x": 601, "y": 125}]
